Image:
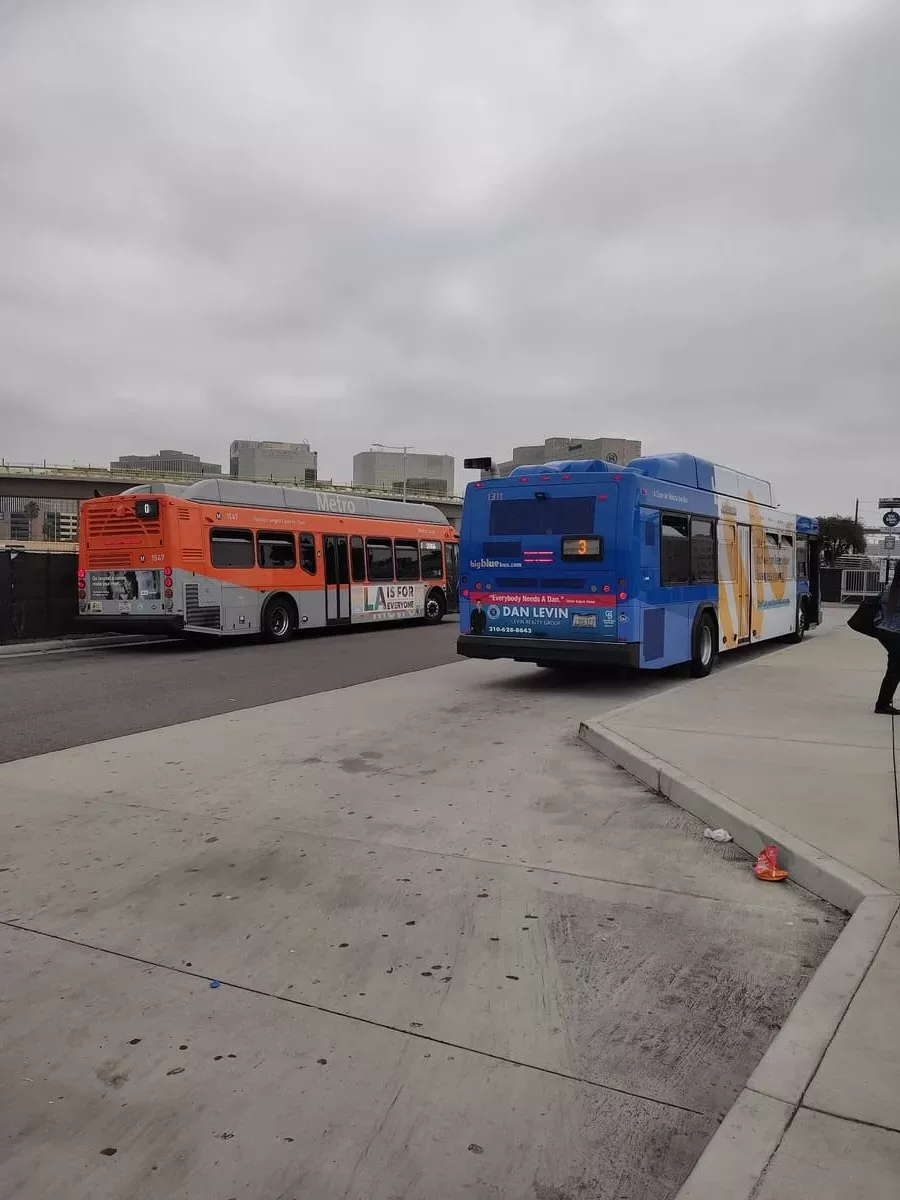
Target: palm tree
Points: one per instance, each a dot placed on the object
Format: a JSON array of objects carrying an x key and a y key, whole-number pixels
[{"x": 32, "y": 511}]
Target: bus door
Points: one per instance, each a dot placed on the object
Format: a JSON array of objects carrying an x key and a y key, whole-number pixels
[
  {"x": 337, "y": 580},
  {"x": 815, "y": 595},
  {"x": 451, "y": 561},
  {"x": 743, "y": 591}
]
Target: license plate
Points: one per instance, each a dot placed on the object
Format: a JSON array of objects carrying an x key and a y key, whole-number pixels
[{"x": 584, "y": 621}]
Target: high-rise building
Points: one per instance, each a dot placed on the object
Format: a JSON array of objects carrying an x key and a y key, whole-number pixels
[
  {"x": 274, "y": 462},
  {"x": 556, "y": 449},
  {"x": 166, "y": 462},
  {"x": 404, "y": 473}
]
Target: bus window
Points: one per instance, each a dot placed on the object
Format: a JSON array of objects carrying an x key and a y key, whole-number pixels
[
  {"x": 675, "y": 550},
  {"x": 802, "y": 558},
  {"x": 432, "y": 560},
  {"x": 787, "y": 555},
  {"x": 357, "y": 559},
  {"x": 407, "y": 558},
  {"x": 231, "y": 548},
  {"x": 379, "y": 560},
  {"x": 276, "y": 550},
  {"x": 554, "y": 514},
  {"x": 308, "y": 553},
  {"x": 703, "y": 550},
  {"x": 727, "y": 552},
  {"x": 772, "y": 570}
]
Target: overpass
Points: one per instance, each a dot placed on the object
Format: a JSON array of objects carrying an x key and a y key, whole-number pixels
[{"x": 46, "y": 482}]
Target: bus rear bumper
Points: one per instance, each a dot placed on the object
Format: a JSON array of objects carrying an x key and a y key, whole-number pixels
[
  {"x": 163, "y": 624},
  {"x": 538, "y": 650}
]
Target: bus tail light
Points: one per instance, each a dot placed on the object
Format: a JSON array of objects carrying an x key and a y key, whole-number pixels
[
  {"x": 623, "y": 595},
  {"x": 607, "y": 588},
  {"x": 82, "y": 594},
  {"x": 169, "y": 592},
  {"x": 465, "y": 593}
]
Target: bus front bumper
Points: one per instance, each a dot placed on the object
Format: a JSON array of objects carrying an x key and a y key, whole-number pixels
[{"x": 539, "y": 650}]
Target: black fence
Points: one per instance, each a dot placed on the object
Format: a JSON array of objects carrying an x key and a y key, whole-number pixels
[{"x": 38, "y": 594}]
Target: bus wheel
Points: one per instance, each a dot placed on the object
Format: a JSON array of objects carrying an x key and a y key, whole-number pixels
[
  {"x": 704, "y": 652},
  {"x": 279, "y": 619},
  {"x": 435, "y": 608},
  {"x": 802, "y": 621}
]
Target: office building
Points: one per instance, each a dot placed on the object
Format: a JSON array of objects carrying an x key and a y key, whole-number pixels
[
  {"x": 556, "y": 449},
  {"x": 38, "y": 519},
  {"x": 274, "y": 462},
  {"x": 166, "y": 462},
  {"x": 404, "y": 473}
]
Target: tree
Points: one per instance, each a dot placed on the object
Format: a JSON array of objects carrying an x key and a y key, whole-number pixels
[
  {"x": 839, "y": 536},
  {"x": 32, "y": 510}
]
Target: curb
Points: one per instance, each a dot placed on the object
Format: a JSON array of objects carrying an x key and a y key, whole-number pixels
[
  {"x": 68, "y": 645},
  {"x": 741, "y": 1148}
]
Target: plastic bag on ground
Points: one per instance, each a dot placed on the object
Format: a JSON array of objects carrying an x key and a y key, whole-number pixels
[
  {"x": 767, "y": 867},
  {"x": 717, "y": 835}
]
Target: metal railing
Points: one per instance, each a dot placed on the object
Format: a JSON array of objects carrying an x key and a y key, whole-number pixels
[
  {"x": 859, "y": 582},
  {"x": 48, "y": 470}
]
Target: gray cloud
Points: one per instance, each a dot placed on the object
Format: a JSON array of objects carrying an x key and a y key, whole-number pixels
[{"x": 460, "y": 225}]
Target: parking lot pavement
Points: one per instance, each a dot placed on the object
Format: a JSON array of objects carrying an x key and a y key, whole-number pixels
[{"x": 429, "y": 865}]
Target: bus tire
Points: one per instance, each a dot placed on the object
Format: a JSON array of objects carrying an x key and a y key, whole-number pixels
[
  {"x": 704, "y": 645},
  {"x": 279, "y": 619},
  {"x": 435, "y": 607},
  {"x": 802, "y": 622}
]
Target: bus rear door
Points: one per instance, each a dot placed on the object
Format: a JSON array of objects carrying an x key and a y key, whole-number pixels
[
  {"x": 337, "y": 580},
  {"x": 451, "y": 566}
]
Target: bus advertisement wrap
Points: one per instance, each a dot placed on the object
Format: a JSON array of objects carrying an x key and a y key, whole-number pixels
[
  {"x": 397, "y": 601},
  {"x": 536, "y": 614}
]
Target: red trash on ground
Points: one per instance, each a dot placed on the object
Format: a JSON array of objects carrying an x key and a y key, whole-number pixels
[{"x": 767, "y": 867}]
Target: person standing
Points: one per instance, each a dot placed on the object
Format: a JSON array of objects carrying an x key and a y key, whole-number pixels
[{"x": 887, "y": 630}]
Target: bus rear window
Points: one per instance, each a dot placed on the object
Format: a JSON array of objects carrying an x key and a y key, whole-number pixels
[{"x": 555, "y": 515}]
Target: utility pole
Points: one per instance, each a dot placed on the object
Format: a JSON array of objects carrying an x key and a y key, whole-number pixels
[
  {"x": 406, "y": 450},
  {"x": 856, "y": 512}
]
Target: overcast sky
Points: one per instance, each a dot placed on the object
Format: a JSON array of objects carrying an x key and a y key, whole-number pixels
[{"x": 460, "y": 225}]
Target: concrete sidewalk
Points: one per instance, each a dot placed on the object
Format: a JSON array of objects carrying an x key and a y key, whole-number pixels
[{"x": 784, "y": 747}]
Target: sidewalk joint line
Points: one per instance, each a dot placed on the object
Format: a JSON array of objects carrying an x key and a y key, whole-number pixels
[{"x": 248, "y": 989}]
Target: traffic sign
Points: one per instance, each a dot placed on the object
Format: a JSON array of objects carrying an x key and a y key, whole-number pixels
[
  {"x": 889, "y": 541},
  {"x": 891, "y": 519},
  {"x": 889, "y": 502}
]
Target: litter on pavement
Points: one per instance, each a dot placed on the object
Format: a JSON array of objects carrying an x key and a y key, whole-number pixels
[
  {"x": 717, "y": 835},
  {"x": 767, "y": 867}
]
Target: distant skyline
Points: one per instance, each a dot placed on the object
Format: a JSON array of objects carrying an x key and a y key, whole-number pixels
[{"x": 462, "y": 226}]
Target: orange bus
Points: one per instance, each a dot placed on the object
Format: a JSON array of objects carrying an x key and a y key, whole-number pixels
[{"x": 222, "y": 558}]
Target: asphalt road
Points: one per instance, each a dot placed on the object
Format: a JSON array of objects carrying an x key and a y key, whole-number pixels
[{"x": 55, "y": 701}]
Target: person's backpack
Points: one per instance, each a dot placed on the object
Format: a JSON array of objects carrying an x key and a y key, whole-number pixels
[{"x": 863, "y": 620}]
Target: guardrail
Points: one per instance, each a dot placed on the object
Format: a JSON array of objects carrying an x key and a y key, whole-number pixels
[{"x": 104, "y": 474}]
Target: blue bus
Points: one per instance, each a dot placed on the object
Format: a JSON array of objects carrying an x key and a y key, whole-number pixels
[{"x": 671, "y": 559}]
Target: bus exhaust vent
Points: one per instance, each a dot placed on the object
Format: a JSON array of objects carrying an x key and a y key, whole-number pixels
[
  {"x": 207, "y": 616},
  {"x": 99, "y": 559}
]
